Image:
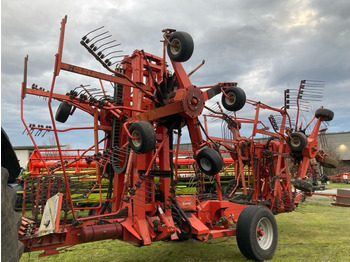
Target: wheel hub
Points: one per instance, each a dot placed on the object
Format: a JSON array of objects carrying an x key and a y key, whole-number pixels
[
  {"x": 295, "y": 141},
  {"x": 136, "y": 134},
  {"x": 231, "y": 100},
  {"x": 205, "y": 164},
  {"x": 264, "y": 233},
  {"x": 175, "y": 46},
  {"x": 193, "y": 102}
]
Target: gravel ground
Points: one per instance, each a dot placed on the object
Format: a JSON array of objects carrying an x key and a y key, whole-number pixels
[
  {"x": 331, "y": 191},
  {"x": 334, "y": 192}
]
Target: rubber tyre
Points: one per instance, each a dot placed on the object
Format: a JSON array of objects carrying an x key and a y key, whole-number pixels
[
  {"x": 184, "y": 49},
  {"x": 302, "y": 185},
  {"x": 11, "y": 247},
  {"x": 94, "y": 212},
  {"x": 250, "y": 245},
  {"x": 329, "y": 162},
  {"x": 63, "y": 112},
  {"x": 298, "y": 141},
  {"x": 9, "y": 158},
  {"x": 146, "y": 141},
  {"x": 324, "y": 114},
  {"x": 182, "y": 236},
  {"x": 209, "y": 161},
  {"x": 237, "y": 101}
]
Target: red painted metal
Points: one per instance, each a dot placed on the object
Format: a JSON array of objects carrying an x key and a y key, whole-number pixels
[
  {"x": 269, "y": 181},
  {"x": 340, "y": 178},
  {"x": 146, "y": 215},
  {"x": 100, "y": 232},
  {"x": 42, "y": 158},
  {"x": 140, "y": 204}
]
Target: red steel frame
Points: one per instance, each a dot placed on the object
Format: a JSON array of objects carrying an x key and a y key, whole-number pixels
[
  {"x": 73, "y": 160},
  {"x": 279, "y": 196},
  {"x": 136, "y": 215}
]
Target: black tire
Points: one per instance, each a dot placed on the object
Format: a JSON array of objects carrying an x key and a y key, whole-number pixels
[
  {"x": 11, "y": 247},
  {"x": 209, "y": 161},
  {"x": 297, "y": 142},
  {"x": 9, "y": 158},
  {"x": 146, "y": 135},
  {"x": 182, "y": 221},
  {"x": 252, "y": 221},
  {"x": 324, "y": 114},
  {"x": 302, "y": 185},
  {"x": 329, "y": 162},
  {"x": 63, "y": 112},
  {"x": 93, "y": 212},
  {"x": 183, "y": 49},
  {"x": 237, "y": 98}
]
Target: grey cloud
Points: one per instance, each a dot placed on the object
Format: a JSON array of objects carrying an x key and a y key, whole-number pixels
[{"x": 266, "y": 46}]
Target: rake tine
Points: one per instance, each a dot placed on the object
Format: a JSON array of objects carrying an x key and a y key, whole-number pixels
[
  {"x": 106, "y": 44},
  {"x": 85, "y": 36},
  {"x": 93, "y": 47},
  {"x": 117, "y": 51},
  {"x": 100, "y": 52},
  {"x": 97, "y": 36}
]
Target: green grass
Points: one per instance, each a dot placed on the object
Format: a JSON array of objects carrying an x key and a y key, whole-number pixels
[
  {"x": 316, "y": 231},
  {"x": 337, "y": 185}
]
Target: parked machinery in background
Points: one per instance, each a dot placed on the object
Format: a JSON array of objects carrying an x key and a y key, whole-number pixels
[{"x": 268, "y": 171}]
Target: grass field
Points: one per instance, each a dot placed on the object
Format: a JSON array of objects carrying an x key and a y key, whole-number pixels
[{"x": 315, "y": 231}]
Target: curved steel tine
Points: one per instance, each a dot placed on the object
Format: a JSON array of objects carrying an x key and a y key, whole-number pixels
[
  {"x": 92, "y": 46},
  {"x": 100, "y": 52},
  {"x": 117, "y": 51},
  {"x": 85, "y": 36},
  {"x": 108, "y": 60},
  {"x": 105, "y": 44},
  {"x": 97, "y": 36}
]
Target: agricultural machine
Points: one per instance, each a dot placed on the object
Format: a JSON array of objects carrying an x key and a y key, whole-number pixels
[
  {"x": 340, "y": 178},
  {"x": 133, "y": 161},
  {"x": 278, "y": 165}
]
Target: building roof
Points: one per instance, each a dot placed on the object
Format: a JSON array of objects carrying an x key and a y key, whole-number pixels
[{"x": 33, "y": 147}]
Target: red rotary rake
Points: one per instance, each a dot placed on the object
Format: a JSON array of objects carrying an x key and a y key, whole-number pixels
[{"x": 132, "y": 153}]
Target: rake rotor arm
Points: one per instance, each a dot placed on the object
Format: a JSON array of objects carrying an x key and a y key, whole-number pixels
[
  {"x": 23, "y": 94},
  {"x": 119, "y": 75},
  {"x": 194, "y": 130},
  {"x": 188, "y": 100},
  {"x": 84, "y": 106},
  {"x": 116, "y": 78}
]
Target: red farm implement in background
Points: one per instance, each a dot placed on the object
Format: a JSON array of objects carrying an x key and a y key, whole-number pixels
[
  {"x": 43, "y": 162},
  {"x": 129, "y": 164},
  {"x": 340, "y": 178},
  {"x": 279, "y": 164}
]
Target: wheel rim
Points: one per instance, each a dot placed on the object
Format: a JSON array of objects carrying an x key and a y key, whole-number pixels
[
  {"x": 205, "y": 164},
  {"x": 136, "y": 142},
  {"x": 295, "y": 141},
  {"x": 231, "y": 100},
  {"x": 264, "y": 233},
  {"x": 175, "y": 46}
]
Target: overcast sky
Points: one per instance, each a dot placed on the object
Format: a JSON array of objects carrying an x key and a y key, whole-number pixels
[{"x": 265, "y": 46}]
